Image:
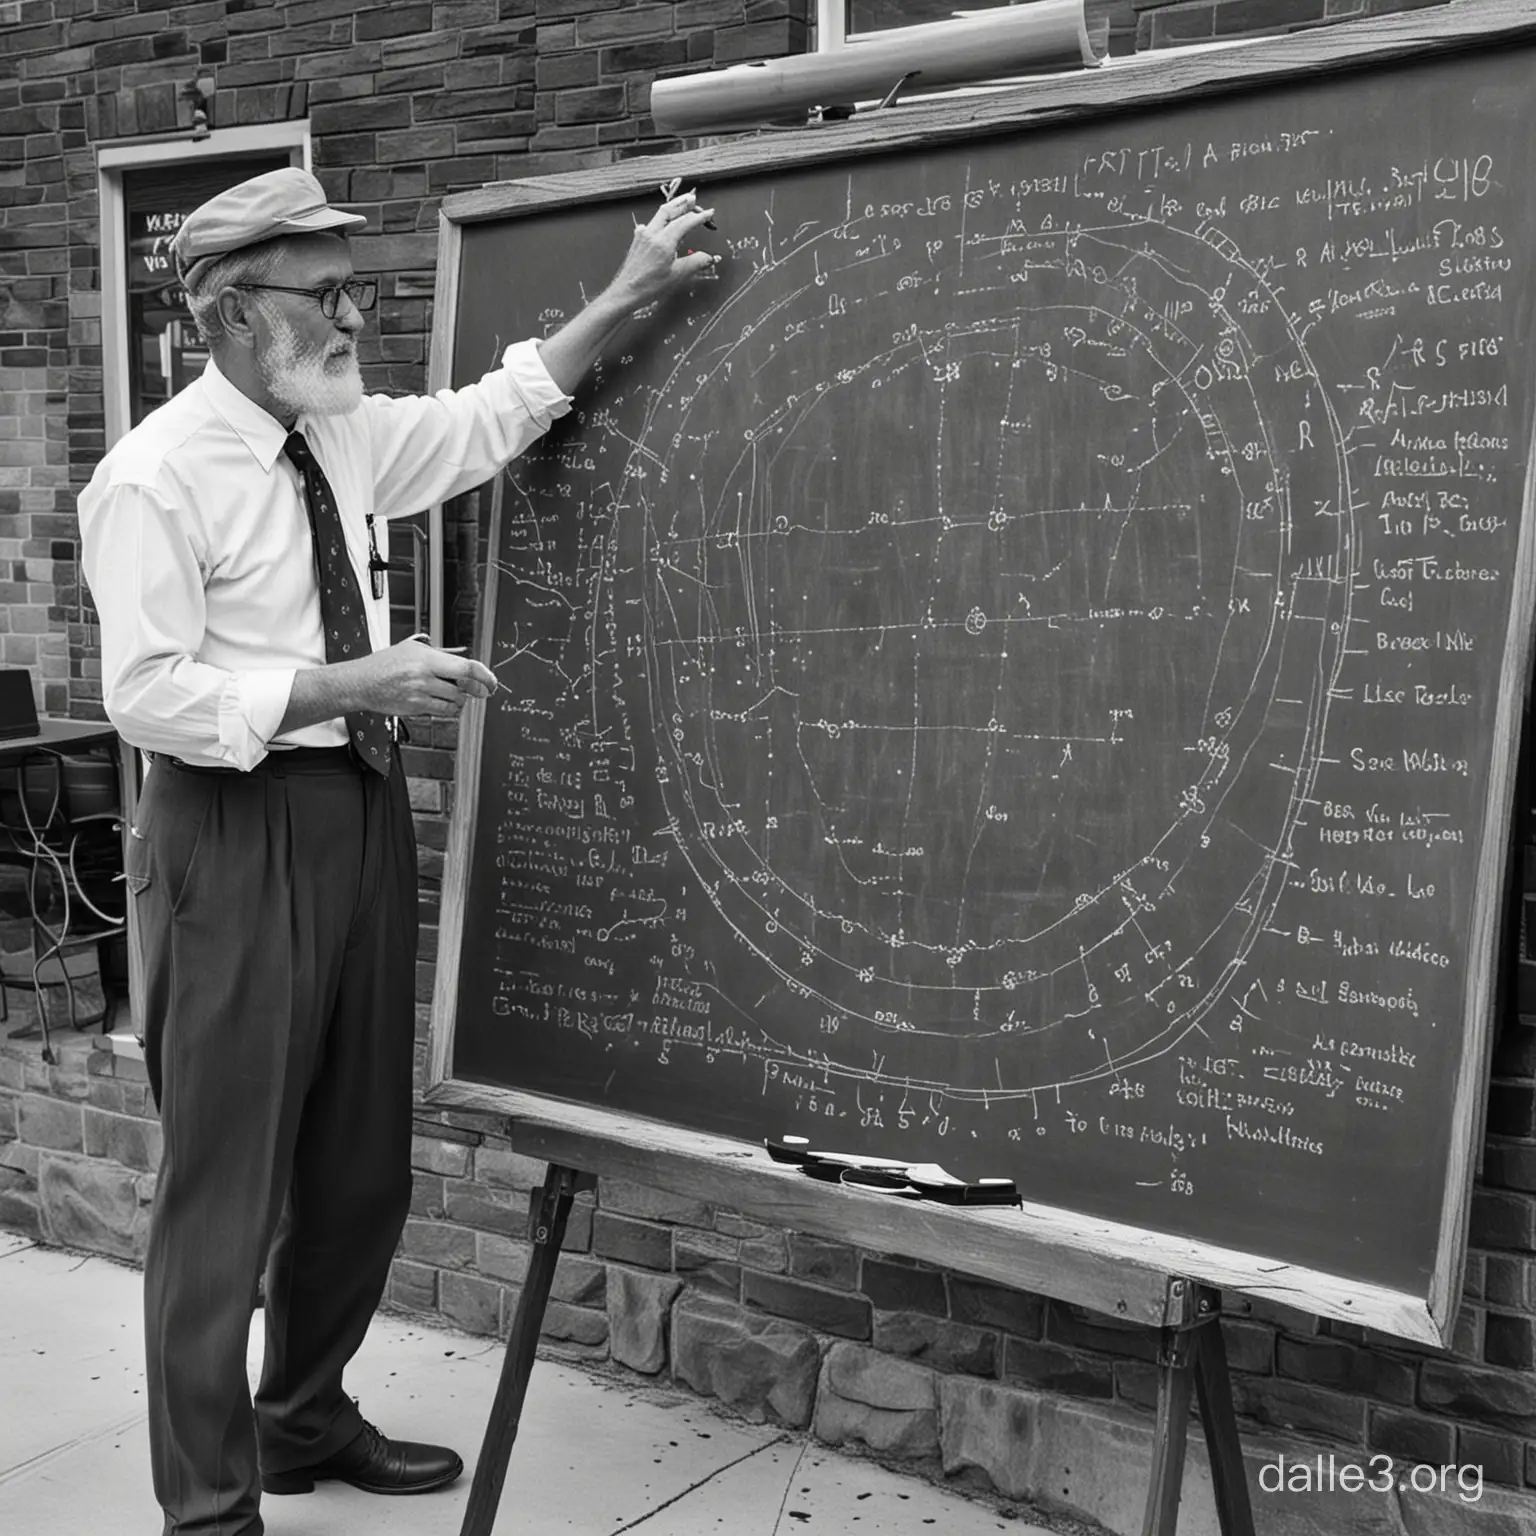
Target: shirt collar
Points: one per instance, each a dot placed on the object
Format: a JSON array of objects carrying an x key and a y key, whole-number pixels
[{"x": 263, "y": 434}]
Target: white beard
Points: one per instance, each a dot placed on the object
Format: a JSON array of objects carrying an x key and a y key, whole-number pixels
[{"x": 323, "y": 381}]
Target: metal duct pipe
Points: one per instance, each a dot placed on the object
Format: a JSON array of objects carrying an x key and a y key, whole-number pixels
[{"x": 1045, "y": 34}]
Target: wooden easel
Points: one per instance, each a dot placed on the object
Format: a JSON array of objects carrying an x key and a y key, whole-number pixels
[
  {"x": 549, "y": 1208},
  {"x": 1193, "y": 1356},
  {"x": 1192, "y": 1360}
]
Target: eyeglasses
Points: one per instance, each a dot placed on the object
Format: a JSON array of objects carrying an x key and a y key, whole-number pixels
[{"x": 363, "y": 291}]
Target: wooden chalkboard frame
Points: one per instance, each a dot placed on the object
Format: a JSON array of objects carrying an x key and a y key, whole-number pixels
[{"x": 1118, "y": 1270}]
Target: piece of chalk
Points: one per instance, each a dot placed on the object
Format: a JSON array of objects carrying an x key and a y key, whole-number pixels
[{"x": 859, "y": 1160}]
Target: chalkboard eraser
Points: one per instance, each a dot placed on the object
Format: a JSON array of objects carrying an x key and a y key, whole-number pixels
[
  {"x": 830, "y": 1165},
  {"x": 992, "y": 1192},
  {"x": 788, "y": 1149},
  {"x": 979, "y": 1192},
  {"x": 887, "y": 1181},
  {"x": 857, "y": 1160},
  {"x": 828, "y": 1173}
]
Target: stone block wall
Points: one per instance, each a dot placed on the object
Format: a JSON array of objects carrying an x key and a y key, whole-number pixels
[
  {"x": 1031, "y": 1400},
  {"x": 929, "y": 1366},
  {"x": 406, "y": 103},
  {"x": 79, "y": 1146}
]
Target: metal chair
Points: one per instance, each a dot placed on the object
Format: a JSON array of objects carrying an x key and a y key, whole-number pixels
[{"x": 71, "y": 854}]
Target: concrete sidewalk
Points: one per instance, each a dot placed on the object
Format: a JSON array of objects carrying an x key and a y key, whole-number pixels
[{"x": 596, "y": 1456}]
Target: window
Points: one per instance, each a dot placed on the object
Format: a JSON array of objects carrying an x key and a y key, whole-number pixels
[
  {"x": 1059, "y": 37},
  {"x": 149, "y": 347},
  {"x": 861, "y": 16}
]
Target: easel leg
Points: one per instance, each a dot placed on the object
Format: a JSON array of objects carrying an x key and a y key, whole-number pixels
[
  {"x": 1228, "y": 1477},
  {"x": 1193, "y": 1358},
  {"x": 547, "y": 1218},
  {"x": 1170, "y": 1437}
]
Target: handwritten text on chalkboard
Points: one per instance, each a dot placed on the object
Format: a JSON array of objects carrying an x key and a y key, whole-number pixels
[{"x": 1004, "y": 675}]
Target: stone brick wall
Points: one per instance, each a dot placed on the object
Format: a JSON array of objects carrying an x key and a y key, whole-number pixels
[
  {"x": 407, "y": 102},
  {"x": 1016, "y": 1395},
  {"x": 43, "y": 156},
  {"x": 79, "y": 1145},
  {"x": 790, "y": 1328}
]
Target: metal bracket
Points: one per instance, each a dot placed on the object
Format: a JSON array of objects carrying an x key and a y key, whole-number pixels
[
  {"x": 544, "y": 1201},
  {"x": 1188, "y": 1304},
  {"x": 889, "y": 100},
  {"x": 1177, "y": 1348}
]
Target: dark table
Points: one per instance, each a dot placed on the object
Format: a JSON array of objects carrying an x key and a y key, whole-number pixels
[{"x": 58, "y": 736}]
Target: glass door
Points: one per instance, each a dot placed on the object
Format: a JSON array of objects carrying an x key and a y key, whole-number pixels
[
  {"x": 150, "y": 344},
  {"x": 164, "y": 350}
]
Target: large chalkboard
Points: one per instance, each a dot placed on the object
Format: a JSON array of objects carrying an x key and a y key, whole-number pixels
[{"x": 1022, "y": 668}]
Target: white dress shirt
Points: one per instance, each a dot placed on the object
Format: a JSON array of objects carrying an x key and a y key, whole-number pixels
[{"x": 196, "y": 545}]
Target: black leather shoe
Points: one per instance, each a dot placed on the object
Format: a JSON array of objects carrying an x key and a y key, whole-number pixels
[{"x": 376, "y": 1464}]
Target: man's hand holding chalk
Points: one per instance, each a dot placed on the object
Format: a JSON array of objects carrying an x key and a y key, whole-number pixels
[
  {"x": 660, "y": 256},
  {"x": 669, "y": 190}
]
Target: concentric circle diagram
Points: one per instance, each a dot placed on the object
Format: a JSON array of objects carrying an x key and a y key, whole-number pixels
[{"x": 991, "y": 612}]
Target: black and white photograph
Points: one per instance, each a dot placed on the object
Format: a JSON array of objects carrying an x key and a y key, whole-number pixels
[{"x": 767, "y": 766}]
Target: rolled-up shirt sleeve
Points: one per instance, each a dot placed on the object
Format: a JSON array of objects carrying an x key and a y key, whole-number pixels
[
  {"x": 429, "y": 447},
  {"x": 148, "y": 584}
]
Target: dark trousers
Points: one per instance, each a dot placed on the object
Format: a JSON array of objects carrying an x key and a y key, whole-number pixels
[{"x": 277, "y": 916}]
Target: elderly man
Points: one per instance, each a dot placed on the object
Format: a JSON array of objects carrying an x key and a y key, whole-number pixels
[{"x": 227, "y": 543}]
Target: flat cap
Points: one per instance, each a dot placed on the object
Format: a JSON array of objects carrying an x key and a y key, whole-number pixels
[{"x": 285, "y": 202}]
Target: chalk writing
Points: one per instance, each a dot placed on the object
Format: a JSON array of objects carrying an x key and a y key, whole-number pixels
[{"x": 1007, "y": 673}]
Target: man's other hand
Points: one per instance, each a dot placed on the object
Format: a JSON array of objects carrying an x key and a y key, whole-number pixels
[{"x": 414, "y": 679}]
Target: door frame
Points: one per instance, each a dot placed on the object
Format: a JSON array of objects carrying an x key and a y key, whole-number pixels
[{"x": 111, "y": 162}]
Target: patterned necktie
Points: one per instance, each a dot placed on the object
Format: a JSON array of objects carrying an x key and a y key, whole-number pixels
[{"x": 341, "y": 601}]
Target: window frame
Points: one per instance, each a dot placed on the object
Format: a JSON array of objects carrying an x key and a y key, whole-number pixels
[
  {"x": 112, "y": 160},
  {"x": 832, "y": 27}
]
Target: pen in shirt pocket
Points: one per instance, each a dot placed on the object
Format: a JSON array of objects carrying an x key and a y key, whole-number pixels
[{"x": 378, "y": 570}]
